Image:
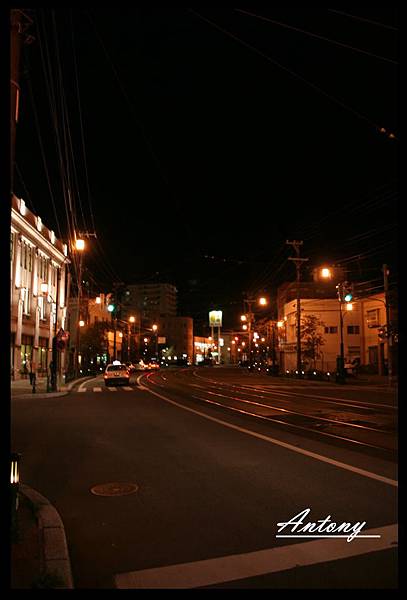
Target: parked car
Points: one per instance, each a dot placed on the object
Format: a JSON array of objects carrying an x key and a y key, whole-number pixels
[{"x": 116, "y": 374}]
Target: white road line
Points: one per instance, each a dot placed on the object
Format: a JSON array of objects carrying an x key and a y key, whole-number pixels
[
  {"x": 112, "y": 389},
  {"x": 97, "y": 389},
  {"x": 241, "y": 566},
  {"x": 127, "y": 388},
  {"x": 271, "y": 440},
  {"x": 81, "y": 389}
]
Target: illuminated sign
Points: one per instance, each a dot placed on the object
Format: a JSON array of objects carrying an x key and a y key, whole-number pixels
[{"x": 215, "y": 318}]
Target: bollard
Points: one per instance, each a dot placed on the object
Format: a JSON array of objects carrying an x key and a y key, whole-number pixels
[{"x": 14, "y": 483}]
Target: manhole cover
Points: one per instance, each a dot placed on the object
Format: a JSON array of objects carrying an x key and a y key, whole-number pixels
[{"x": 114, "y": 489}]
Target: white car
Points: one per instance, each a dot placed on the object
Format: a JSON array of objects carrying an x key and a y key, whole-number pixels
[{"x": 115, "y": 374}]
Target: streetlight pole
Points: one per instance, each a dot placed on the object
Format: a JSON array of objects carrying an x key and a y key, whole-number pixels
[
  {"x": 155, "y": 329},
  {"x": 80, "y": 246},
  {"x": 298, "y": 264},
  {"x": 389, "y": 330}
]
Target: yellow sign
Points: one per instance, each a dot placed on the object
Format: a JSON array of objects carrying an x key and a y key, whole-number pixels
[{"x": 215, "y": 318}]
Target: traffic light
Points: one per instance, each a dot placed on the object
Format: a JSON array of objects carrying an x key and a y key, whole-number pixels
[
  {"x": 345, "y": 291},
  {"x": 112, "y": 304}
]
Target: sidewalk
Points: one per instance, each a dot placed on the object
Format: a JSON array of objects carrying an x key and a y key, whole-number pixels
[
  {"x": 23, "y": 389},
  {"x": 39, "y": 552}
]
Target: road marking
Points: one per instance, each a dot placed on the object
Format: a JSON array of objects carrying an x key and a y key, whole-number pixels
[
  {"x": 271, "y": 440},
  {"x": 253, "y": 564},
  {"x": 81, "y": 389},
  {"x": 97, "y": 389},
  {"x": 112, "y": 389},
  {"x": 127, "y": 388}
]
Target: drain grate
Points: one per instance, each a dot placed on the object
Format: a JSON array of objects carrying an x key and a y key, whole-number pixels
[{"x": 114, "y": 489}]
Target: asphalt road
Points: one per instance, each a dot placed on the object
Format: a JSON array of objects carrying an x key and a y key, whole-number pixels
[{"x": 213, "y": 483}]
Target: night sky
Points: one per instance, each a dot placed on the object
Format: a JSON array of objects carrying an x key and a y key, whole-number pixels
[{"x": 203, "y": 139}]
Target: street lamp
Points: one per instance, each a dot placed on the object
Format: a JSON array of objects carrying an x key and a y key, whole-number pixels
[
  {"x": 80, "y": 247},
  {"x": 53, "y": 364},
  {"x": 131, "y": 320},
  {"x": 249, "y": 317},
  {"x": 155, "y": 329}
]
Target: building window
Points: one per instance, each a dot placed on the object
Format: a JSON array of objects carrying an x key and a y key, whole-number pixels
[
  {"x": 331, "y": 329},
  {"x": 30, "y": 258},
  {"x": 353, "y": 329},
  {"x": 41, "y": 308},
  {"x": 11, "y": 246},
  {"x": 26, "y": 301},
  {"x": 372, "y": 318}
]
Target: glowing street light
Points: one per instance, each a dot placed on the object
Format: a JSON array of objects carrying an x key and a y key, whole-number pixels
[
  {"x": 243, "y": 318},
  {"x": 262, "y": 301},
  {"x": 98, "y": 300},
  {"x": 326, "y": 273},
  {"x": 81, "y": 323},
  {"x": 132, "y": 319},
  {"x": 80, "y": 245}
]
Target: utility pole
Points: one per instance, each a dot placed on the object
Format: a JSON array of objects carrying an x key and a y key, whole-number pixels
[
  {"x": 298, "y": 264},
  {"x": 389, "y": 325},
  {"x": 20, "y": 21}
]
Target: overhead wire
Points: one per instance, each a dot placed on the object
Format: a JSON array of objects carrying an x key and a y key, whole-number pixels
[
  {"x": 81, "y": 124},
  {"x": 44, "y": 161},
  {"x": 314, "y": 35},
  {"x": 345, "y": 14},
  {"x": 374, "y": 125}
]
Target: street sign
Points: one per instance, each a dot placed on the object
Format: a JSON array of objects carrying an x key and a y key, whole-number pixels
[{"x": 215, "y": 318}]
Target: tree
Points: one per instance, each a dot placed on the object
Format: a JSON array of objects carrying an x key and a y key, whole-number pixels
[
  {"x": 311, "y": 338},
  {"x": 93, "y": 342}
]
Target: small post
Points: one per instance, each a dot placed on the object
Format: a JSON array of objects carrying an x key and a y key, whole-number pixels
[{"x": 14, "y": 483}]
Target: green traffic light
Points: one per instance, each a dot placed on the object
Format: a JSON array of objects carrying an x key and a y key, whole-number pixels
[
  {"x": 110, "y": 307},
  {"x": 348, "y": 297}
]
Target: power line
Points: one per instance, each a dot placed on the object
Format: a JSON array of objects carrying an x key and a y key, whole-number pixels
[
  {"x": 296, "y": 75},
  {"x": 340, "y": 12},
  {"x": 320, "y": 37}
]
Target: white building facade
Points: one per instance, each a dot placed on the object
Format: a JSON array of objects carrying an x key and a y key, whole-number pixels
[
  {"x": 361, "y": 332},
  {"x": 37, "y": 257}
]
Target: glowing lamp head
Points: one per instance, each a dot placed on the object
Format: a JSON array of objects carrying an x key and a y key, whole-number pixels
[
  {"x": 98, "y": 300},
  {"x": 81, "y": 323},
  {"x": 80, "y": 245},
  {"x": 243, "y": 318},
  {"x": 326, "y": 273},
  {"x": 244, "y": 327},
  {"x": 262, "y": 301},
  {"x": 132, "y": 319},
  {"x": 155, "y": 327}
]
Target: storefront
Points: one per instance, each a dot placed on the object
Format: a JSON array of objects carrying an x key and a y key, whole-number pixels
[{"x": 26, "y": 354}]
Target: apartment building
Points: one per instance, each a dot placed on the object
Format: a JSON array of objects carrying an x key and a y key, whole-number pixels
[{"x": 38, "y": 311}]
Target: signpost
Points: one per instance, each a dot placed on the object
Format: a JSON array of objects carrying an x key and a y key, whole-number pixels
[{"x": 215, "y": 320}]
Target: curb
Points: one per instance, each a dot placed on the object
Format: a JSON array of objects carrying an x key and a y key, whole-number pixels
[
  {"x": 52, "y": 538},
  {"x": 52, "y": 394}
]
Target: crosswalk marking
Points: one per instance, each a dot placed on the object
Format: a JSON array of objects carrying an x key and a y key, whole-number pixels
[{"x": 109, "y": 388}]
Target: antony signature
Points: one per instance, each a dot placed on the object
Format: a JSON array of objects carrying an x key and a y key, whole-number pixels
[{"x": 322, "y": 528}]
